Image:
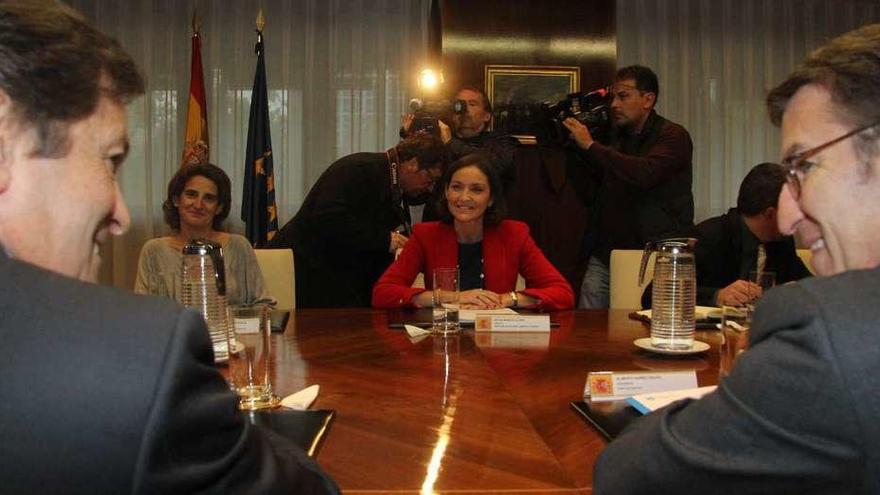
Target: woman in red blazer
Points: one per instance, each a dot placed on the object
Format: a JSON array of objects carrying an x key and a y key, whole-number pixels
[{"x": 488, "y": 251}]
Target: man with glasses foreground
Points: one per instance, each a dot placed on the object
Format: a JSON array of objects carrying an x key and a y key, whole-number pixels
[
  {"x": 355, "y": 218},
  {"x": 103, "y": 391},
  {"x": 798, "y": 414}
]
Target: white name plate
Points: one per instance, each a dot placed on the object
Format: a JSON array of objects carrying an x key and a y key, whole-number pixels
[
  {"x": 511, "y": 323},
  {"x": 617, "y": 385},
  {"x": 247, "y": 325}
]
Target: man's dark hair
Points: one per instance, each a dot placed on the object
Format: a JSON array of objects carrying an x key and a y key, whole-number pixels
[
  {"x": 760, "y": 189},
  {"x": 487, "y": 105},
  {"x": 646, "y": 80},
  {"x": 175, "y": 188},
  {"x": 848, "y": 67},
  {"x": 425, "y": 147},
  {"x": 54, "y": 66},
  {"x": 497, "y": 208}
]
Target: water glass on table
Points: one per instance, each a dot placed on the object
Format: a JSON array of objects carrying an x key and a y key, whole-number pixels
[
  {"x": 736, "y": 321},
  {"x": 445, "y": 301},
  {"x": 250, "y": 356}
]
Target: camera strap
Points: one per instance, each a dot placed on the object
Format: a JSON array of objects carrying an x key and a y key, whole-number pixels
[{"x": 397, "y": 196}]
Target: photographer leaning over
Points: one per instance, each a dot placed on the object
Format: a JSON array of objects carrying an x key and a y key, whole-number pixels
[
  {"x": 470, "y": 133},
  {"x": 644, "y": 176}
]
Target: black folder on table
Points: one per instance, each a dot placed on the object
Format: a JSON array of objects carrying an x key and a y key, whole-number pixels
[
  {"x": 278, "y": 319},
  {"x": 609, "y": 418},
  {"x": 307, "y": 429}
]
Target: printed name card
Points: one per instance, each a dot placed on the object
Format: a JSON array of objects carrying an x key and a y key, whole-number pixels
[
  {"x": 511, "y": 323},
  {"x": 617, "y": 385},
  {"x": 247, "y": 325}
]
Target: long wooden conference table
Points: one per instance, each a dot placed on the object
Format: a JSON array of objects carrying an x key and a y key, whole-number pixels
[{"x": 473, "y": 413}]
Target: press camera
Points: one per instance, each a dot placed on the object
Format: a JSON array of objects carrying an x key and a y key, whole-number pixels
[
  {"x": 427, "y": 112},
  {"x": 593, "y": 109}
]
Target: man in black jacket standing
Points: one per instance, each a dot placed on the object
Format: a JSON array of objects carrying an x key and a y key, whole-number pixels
[
  {"x": 644, "y": 178},
  {"x": 355, "y": 217}
]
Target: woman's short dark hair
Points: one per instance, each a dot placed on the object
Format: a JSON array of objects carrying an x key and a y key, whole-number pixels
[
  {"x": 497, "y": 208},
  {"x": 175, "y": 188}
]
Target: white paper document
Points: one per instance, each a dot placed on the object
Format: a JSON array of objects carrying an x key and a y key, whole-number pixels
[
  {"x": 469, "y": 315},
  {"x": 646, "y": 403},
  {"x": 700, "y": 313}
]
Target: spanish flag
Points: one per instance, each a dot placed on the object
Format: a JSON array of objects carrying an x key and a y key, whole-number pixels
[
  {"x": 258, "y": 209},
  {"x": 195, "y": 148}
]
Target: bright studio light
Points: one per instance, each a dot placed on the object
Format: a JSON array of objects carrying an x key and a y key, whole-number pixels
[{"x": 429, "y": 79}]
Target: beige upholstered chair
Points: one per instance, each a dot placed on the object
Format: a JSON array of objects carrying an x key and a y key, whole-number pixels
[
  {"x": 626, "y": 293},
  {"x": 277, "y": 268},
  {"x": 806, "y": 256}
]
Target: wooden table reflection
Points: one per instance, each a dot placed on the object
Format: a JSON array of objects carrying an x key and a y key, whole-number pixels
[{"x": 465, "y": 414}]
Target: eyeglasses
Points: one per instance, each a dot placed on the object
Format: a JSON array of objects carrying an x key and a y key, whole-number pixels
[{"x": 796, "y": 166}]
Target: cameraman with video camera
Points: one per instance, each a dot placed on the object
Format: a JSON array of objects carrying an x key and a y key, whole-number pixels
[
  {"x": 644, "y": 175},
  {"x": 470, "y": 132}
]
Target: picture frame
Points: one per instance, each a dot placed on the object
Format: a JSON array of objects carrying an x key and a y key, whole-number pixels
[{"x": 518, "y": 91}]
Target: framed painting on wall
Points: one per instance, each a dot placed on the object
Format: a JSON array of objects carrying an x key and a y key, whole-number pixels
[{"x": 517, "y": 93}]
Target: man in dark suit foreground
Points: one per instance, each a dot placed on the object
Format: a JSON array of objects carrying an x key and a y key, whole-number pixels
[
  {"x": 798, "y": 413},
  {"x": 103, "y": 392}
]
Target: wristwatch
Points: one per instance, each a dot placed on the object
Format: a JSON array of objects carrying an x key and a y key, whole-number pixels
[{"x": 514, "y": 298}]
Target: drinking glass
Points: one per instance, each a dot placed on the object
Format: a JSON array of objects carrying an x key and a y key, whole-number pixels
[
  {"x": 249, "y": 356},
  {"x": 736, "y": 321},
  {"x": 445, "y": 300}
]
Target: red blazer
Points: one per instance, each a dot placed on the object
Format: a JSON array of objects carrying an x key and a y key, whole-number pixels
[{"x": 508, "y": 250}]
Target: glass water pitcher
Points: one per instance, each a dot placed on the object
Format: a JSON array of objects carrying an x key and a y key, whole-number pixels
[
  {"x": 674, "y": 293},
  {"x": 203, "y": 284}
]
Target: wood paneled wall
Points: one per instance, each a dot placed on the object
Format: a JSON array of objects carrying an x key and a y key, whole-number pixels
[
  {"x": 475, "y": 33},
  {"x": 582, "y": 33}
]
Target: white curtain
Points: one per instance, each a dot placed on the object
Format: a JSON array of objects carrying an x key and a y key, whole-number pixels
[
  {"x": 716, "y": 60},
  {"x": 339, "y": 72}
]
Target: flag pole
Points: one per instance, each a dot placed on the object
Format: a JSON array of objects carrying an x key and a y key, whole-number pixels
[{"x": 258, "y": 210}]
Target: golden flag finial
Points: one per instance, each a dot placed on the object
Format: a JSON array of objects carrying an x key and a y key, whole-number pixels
[
  {"x": 196, "y": 24},
  {"x": 261, "y": 21}
]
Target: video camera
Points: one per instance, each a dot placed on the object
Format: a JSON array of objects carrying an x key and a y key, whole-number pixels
[
  {"x": 428, "y": 112},
  {"x": 593, "y": 109}
]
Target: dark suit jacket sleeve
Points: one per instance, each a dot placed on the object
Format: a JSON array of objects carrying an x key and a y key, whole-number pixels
[
  {"x": 668, "y": 156},
  {"x": 782, "y": 422},
  {"x": 348, "y": 191},
  {"x": 196, "y": 440},
  {"x": 394, "y": 288}
]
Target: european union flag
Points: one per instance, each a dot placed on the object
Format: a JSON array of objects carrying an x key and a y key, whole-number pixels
[{"x": 258, "y": 210}]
